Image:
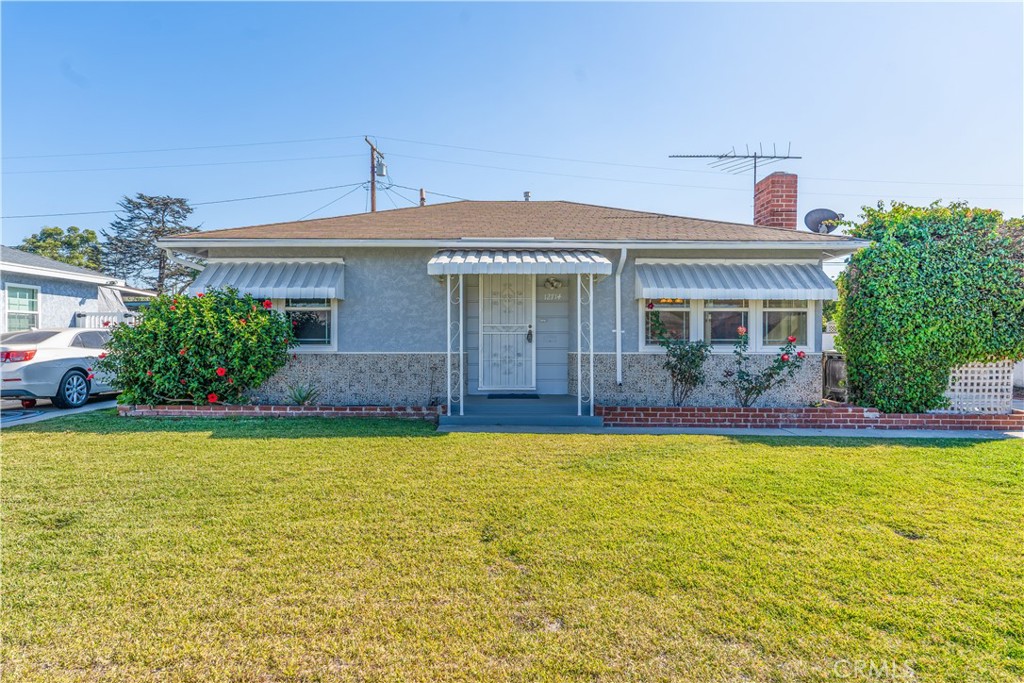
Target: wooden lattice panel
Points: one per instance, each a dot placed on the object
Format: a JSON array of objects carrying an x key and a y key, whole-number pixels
[{"x": 981, "y": 388}]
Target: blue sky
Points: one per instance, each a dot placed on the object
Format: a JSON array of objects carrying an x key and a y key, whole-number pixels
[{"x": 915, "y": 102}]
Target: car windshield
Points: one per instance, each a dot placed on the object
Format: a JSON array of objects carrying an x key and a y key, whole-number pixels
[{"x": 31, "y": 337}]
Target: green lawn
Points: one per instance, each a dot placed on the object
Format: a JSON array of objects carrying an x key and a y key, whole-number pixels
[{"x": 306, "y": 550}]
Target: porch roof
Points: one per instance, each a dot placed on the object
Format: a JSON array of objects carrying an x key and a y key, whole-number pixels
[
  {"x": 804, "y": 281},
  {"x": 281, "y": 280},
  {"x": 518, "y": 261}
]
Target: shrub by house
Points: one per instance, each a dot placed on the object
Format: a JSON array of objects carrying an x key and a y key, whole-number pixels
[
  {"x": 939, "y": 287},
  {"x": 198, "y": 349}
]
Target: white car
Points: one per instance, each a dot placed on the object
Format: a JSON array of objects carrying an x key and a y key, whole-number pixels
[{"x": 54, "y": 364}]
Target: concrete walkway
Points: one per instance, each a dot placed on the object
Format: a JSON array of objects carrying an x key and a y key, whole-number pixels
[{"x": 831, "y": 433}]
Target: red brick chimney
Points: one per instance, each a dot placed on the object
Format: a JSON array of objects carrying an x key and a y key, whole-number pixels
[{"x": 775, "y": 201}]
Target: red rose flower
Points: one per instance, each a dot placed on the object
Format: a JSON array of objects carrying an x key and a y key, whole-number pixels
[
  {"x": 199, "y": 295},
  {"x": 785, "y": 358},
  {"x": 741, "y": 330},
  {"x": 243, "y": 321},
  {"x": 801, "y": 355},
  {"x": 230, "y": 381},
  {"x": 791, "y": 339},
  {"x": 174, "y": 308},
  {"x": 650, "y": 305},
  {"x": 90, "y": 376},
  {"x": 106, "y": 323},
  {"x": 221, "y": 372},
  {"x": 149, "y": 373},
  {"x": 182, "y": 381},
  {"x": 212, "y": 398},
  {"x": 102, "y": 355},
  {"x": 182, "y": 352},
  {"x": 268, "y": 304}
]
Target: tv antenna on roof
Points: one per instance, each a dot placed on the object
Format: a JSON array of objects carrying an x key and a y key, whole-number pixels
[{"x": 734, "y": 163}]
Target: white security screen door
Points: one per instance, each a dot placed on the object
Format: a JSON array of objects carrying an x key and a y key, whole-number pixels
[{"x": 507, "y": 328}]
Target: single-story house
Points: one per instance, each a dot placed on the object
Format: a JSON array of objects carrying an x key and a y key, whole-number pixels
[
  {"x": 465, "y": 302},
  {"x": 39, "y": 292}
]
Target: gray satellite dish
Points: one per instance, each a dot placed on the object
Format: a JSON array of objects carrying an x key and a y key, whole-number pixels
[{"x": 822, "y": 220}]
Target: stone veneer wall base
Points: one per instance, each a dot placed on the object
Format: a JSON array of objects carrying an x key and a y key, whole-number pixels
[{"x": 216, "y": 410}]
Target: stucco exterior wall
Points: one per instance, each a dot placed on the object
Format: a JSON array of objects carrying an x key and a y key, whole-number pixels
[
  {"x": 59, "y": 300},
  {"x": 645, "y": 382}
]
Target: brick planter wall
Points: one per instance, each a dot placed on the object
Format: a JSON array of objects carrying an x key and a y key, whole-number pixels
[
  {"x": 802, "y": 418},
  {"x": 407, "y": 412}
]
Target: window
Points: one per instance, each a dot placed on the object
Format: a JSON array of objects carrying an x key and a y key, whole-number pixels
[
  {"x": 91, "y": 340},
  {"x": 675, "y": 316},
  {"x": 311, "y": 320},
  {"x": 22, "y": 308},
  {"x": 784, "y": 319},
  {"x": 722, "y": 318}
]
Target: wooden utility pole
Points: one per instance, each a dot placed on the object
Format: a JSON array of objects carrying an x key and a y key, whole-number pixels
[{"x": 373, "y": 175}]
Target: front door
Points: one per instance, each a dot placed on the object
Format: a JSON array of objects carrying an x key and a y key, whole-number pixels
[{"x": 507, "y": 325}]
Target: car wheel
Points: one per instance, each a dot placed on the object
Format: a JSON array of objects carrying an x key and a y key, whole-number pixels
[
  {"x": 28, "y": 403},
  {"x": 73, "y": 390}
]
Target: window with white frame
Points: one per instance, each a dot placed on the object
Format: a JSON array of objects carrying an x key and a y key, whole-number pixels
[
  {"x": 782, "y": 319},
  {"x": 22, "y": 308},
  {"x": 311, "y": 320},
  {"x": 723, "y": 318},
  {"x": 674, "y": 314}
]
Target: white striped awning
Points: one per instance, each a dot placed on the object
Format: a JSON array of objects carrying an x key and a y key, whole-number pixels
[
  {"x": 282, "y": 280},
  {"x": 805, "y": 281},
  {"x": 518, "y": 261}
]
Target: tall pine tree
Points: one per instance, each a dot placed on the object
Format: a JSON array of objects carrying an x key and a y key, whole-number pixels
[{"x": 131, "y": 252}]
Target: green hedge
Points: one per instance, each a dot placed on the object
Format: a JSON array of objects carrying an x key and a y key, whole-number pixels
[
  {"x": 939, "y": 286},
  {"x": 198, "y": 349}
]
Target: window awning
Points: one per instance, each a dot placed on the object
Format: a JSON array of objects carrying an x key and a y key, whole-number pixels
[
  {"x": 288, "y": 280},
  {"x": 805, "y": 281},
  {"x": 518, "y": 261}
]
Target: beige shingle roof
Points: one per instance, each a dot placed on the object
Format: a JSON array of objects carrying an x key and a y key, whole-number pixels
[{"x": 515, "y": 220}]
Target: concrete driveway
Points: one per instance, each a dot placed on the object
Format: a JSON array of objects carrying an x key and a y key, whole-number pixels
[{"x": 12, "y": 414}]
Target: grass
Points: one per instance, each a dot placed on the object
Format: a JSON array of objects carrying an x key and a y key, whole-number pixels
[{"x": 307, "y": 550}]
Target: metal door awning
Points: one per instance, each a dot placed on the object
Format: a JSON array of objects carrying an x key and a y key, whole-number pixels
[
  {"x": 803, "y": 281},
  {"x": 288, "y": 280},
  {"x": 518, "y": 262}
]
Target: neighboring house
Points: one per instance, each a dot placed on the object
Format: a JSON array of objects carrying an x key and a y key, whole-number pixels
[
  {"x": 456, "y": 302},
  {"x": 38, "y": 292}
]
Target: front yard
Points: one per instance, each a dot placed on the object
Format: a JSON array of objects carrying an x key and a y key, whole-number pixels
[{"x": 329, "y": 550}]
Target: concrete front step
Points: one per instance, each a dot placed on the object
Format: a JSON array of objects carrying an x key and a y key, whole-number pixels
[{"x": 522, "y": 420}]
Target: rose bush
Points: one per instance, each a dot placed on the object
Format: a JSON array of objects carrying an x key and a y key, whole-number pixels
[
  {"x": 748, "y": 386},
  {"x": 197, "y": 349}
]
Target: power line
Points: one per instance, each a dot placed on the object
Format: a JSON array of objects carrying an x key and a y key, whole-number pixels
[
  {"x": 179, "y": 149},
  {"x": 392, "y": 186},
  {"x": 679, "y": 170},
  {"x": 436, "y": 194},
  {"x": 217, "y": 201},
  {"x": 338, "y": 199},
  {"x": 211, "y": 163},
  {"x": 652, "y": 182}
]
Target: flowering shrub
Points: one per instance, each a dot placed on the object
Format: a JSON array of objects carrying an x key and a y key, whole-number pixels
[
  {"x": 684, "y": 359},
  {"x": 748, "y": 386},
  {"x": 201, "y": 349}
]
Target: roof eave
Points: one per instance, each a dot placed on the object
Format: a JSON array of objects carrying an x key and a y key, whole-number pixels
[{"x": 835, "y": 245}]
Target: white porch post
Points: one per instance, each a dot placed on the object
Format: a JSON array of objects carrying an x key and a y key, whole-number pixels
[
  {"x": 453, "y": 333},
  {"x": 448, "y": 339},
  {"x": 462, "y": 403},
  {"x": 579, "y": 345},
  {"x": 590, "y": 374},
  {"x": 584, "y": 338}
]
